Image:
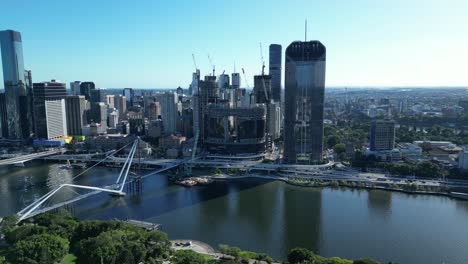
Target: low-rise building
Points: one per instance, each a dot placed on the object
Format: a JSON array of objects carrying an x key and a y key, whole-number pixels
[
  {"x": 171, "y": 141},
  {"x": 463, "y": 159}
]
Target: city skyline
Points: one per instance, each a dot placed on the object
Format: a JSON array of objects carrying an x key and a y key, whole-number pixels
[{"x": 371, "y": 44}]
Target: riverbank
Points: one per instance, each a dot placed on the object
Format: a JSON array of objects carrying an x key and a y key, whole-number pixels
[{"x": 320, "y": 183}]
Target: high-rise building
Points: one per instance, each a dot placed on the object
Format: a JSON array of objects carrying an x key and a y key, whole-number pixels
[
  {"x": 45, "y": 91},
  {"x": 169, "y": 112},
  {"x": 262, "y": 89},
  {"x": 382, "y": 135},
  {"x": 235, "y": 83},
  {"x": 56, "y": 119},
  {"x": 274, "y": 120},
  {"x": 463, "y": 158},
  {"x": 76, "y": 116},
  {"x": 223, "y": 81},
  {"x": 113, "y": 117},
  {"x": 275, "y": 71},
  {"x": 208, "y": 94},
  {"x": 3, "y": 116},
  {"x": 110, "y": 100},
  {"x": 120, "y": 103},
  {"x": 193, "y": 89},
  {"x": 154, "y": 110},
  {"x": 86, "y": 88},
  {"x": 27, "y": 106},
  {"x": 75, "y": 88},
  {"x": 304, "y": 102},
  {"x": 16, "y": 95},
  {"x": 129, "y": 94},
  {"x": 97, "y": 95},
  {"x": 136, "y": 121},
  {"x": 99, "y": 114}
]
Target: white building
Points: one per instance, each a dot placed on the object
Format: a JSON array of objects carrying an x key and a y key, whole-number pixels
[
  {"x": 274, "y": 122},
  {"x": 409, "y": 149},
  {"x": 463, "y": 159},
  {"x": 56, "y": 119},
  {"x": 169, "y": 110},
  {"x": 113, "y": 117}
]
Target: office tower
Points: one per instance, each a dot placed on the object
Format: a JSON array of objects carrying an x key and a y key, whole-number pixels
[
  {"x": 235, "y": 80},
  {"x": 223, "y": 81},
  {"x": 56, "y": 119},
  {"x": 129, "y": 94},
  {"x": 76, "y": 116},
  {"x": 193, "y": 89},
  {"x": 121, "y": 104},
  {"x": 113, "y": 117},
  {"x": 262, "y": 89},
  {"x": 275, "y": 71},
  {"x": 97, "y": 95},
  {"x": 154, "y": 110},
  {"x": 274, "y": 120},
  {"x": 382, "y": 135},
  {"x": 75, "y": 88},
  {"x": 208, "y": 94},
  {"x": 45, "y": 91},
  {"x": 169, "y": 112},
  {"x": 86, "y": 88},
  {"x": 137, "y": 123},
  {"x": 463, "y": 158},
  {"x": 110, "y": 100},
  {"x": 304, "y": 99},
  {"x": 3, "y": 116},
  {"x": 26, "y": 107},
  {"x": 18, "y": 121},
  {"x": 99, "y": 114}
]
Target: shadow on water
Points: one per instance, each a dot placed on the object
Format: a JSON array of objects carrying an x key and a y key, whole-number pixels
[
  {"x": 160, "y": 198},
  {"x": 379, "y": 202}
]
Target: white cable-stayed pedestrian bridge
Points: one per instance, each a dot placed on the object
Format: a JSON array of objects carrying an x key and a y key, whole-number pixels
[{"x": 42, "y": 205}]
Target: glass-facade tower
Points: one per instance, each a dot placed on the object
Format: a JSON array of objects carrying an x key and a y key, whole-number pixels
[
  {"x": 14, "y": 83},
  {"x": 304, "y": 101},
  {"x": 275, "y": 71}
]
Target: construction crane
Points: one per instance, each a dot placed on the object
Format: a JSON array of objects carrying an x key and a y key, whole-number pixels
[
  {"x": 211, "y": 63},
  {"x": 263, "y": 73},
  {"x": 245, "y": 78},
  {"x": 194, "y": 62}
]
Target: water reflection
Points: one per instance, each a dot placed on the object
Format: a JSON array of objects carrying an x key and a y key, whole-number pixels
[{"x": 379, "y": 203}]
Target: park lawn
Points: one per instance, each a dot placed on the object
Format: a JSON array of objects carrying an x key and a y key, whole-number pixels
[{"x": 68, "y": 259}]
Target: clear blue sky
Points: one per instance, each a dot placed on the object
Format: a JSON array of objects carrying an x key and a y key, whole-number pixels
[{"x": 148, "y": 44}]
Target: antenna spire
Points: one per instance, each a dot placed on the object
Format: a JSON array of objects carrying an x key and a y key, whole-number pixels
[{"x": 305, "y": 31}]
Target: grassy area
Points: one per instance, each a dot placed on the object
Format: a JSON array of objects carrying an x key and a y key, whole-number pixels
[{"x": 68, "y": 259}]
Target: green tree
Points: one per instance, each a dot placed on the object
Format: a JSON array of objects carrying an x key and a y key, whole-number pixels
[
  {"x": 299, "y": 255},
  {"x": 188, "y": 257},
  {"x": 365, "y": 261},
  {"x": 339, "y": 148},
  {"x": 333, "y": 140},
  {"x": 22, "y": 232},
  {"x": 428, "y": 169},
  {"x": 42, "y": 249}
]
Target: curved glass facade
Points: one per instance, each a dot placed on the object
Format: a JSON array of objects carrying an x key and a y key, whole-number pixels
[{"x": 304, "y": 101}]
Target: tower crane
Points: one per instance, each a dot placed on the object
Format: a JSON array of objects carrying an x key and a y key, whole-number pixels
[
  {"x": 211, "y": 63},
  {"x": 263, "y": 73}
]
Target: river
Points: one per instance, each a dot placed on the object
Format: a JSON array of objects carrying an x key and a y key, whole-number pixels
[{"x": 267, "y": 216}]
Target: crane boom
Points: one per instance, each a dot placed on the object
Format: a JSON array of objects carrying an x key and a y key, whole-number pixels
[
  {"x": 263, "y": 73},
  {"x": 194, "y": 62},
  {"x": 211, "y": 63}
]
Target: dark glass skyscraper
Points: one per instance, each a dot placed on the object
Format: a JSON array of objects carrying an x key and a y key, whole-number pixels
[
  {"x": 275, "y": 71},
  {"x": 14, "y": 83},
  {"x": 43, "y": 92},
  {"x": 304, "y": 100},
  {"x": 86, "y": 89}
]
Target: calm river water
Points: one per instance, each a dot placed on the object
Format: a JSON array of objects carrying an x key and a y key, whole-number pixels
[{"x": 268, "y": 216}]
